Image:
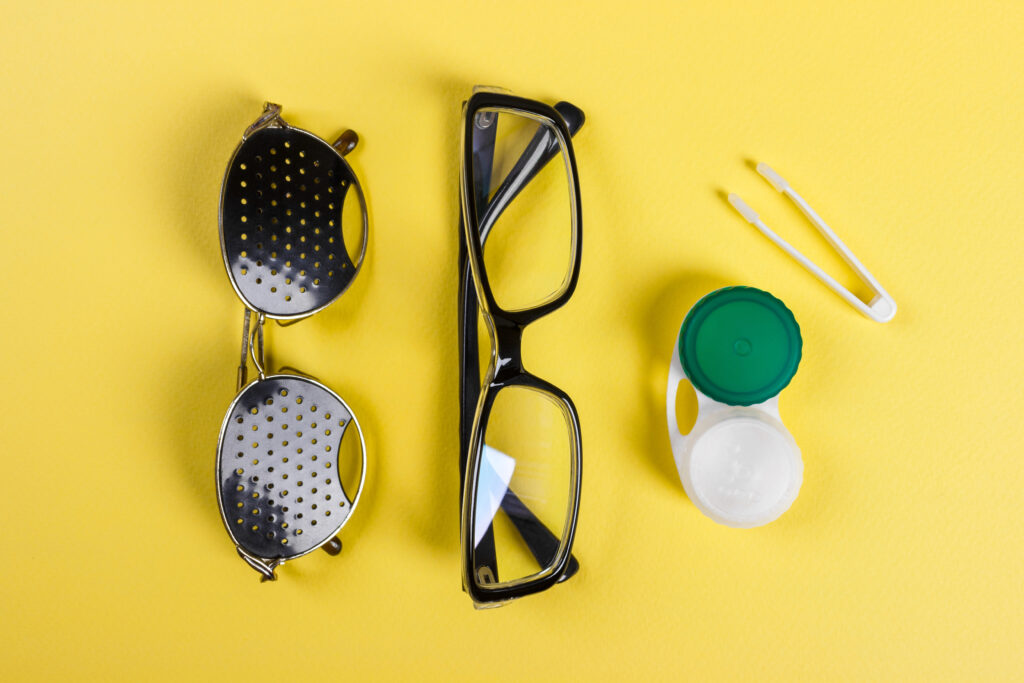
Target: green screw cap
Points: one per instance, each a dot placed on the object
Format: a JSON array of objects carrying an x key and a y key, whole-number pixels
[{"x": 740, "y": 346}]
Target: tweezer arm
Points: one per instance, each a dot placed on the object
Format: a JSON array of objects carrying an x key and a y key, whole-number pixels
[{"x": 542, "y": 543}]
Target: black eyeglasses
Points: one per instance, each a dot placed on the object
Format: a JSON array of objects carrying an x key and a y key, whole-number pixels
[{"x": 519, "y": 260}]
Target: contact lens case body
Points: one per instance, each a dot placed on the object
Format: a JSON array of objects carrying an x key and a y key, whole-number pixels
[{"x": 738, "y": 347}]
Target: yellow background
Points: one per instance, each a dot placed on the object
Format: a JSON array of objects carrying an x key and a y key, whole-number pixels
[{"x": 900, "y": 122}]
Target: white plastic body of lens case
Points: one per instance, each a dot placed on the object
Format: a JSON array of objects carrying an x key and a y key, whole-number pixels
[{"x": 739, "y": 464}]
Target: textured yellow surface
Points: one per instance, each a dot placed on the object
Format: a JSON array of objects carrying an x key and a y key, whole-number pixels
[{"x": 900, "y": 122}]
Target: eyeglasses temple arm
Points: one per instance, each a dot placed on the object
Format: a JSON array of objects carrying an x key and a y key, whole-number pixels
[
  {"x": 542, "y": 543},
  {"x": 541, "y": 149},
  {"x": 469, "y": 361}
]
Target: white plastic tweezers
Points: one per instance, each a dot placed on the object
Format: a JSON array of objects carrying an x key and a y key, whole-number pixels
[{"x": 882, "y": 307}]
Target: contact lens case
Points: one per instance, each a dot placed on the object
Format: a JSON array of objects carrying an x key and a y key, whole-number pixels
[{"x": 739, "y": 347}]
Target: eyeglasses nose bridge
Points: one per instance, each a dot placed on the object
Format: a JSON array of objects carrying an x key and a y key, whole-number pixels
[{"x": 508, "y": 351}]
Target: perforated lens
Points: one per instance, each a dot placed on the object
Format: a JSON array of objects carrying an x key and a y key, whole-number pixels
[
  {"x": 522, "y": 185},
  {"x": 281, "y": 469},
  {"x": 525, "y": 480},
  {"x": 285, "y": 197}
]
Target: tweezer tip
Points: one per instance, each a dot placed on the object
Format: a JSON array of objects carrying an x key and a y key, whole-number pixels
[
  {"x": 769, "y": 174},
  {"x": 742, "y": 207}
]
